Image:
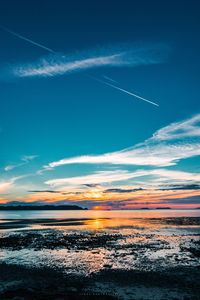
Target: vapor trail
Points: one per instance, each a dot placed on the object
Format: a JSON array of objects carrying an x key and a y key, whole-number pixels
[
  {"x": 122, "y": 90},
  {"x": 110, "y": 79},
  {"x": 26, "y": 39},
  {"x": 97, "y": 79}
]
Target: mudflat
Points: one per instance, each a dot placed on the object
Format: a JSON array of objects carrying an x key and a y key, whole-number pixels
[{"x": 135, "y": 258}]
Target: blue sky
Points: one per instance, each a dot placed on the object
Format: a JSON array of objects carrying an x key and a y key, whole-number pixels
[{"x": 71, "y": 128}]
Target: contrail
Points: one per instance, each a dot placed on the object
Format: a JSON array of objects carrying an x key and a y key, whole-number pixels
[
  {"x": 99, "y": 80},
  {"x": 122, "y": 90},
  {"x": 110, "y": 79},
  {"x": 26, "y": 39}
]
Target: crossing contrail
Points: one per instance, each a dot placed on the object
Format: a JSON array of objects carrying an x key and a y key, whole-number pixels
[
  {"x": 109, "y": 79},
  {"x": 97, "y": 79},
  {"x": 26, "y": 39},
  {"x": 123, "y": 90}
]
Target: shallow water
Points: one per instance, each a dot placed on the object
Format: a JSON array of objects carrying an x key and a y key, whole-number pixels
[
  {"x": 158, "y": 213},
  {"x": 87, "y": 242}
]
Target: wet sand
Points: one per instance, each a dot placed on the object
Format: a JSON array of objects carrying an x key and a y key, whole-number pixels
[{"x": 136, "y": 258}]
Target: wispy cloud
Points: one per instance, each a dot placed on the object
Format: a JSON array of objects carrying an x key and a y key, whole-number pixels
[
  {"x": 166, "y": 147},
  {"x": 121, "y": 55},
  {"x": 24, "y": 160},
  {"x": 112, "y": 200},
  {"x": 5, "y": 185},
  {"x": 95, "y": 178},
  {"x": 179, "y": 130},
  {"x": 157, "y": 176},
  {"x": 121, "y": 188},
  {"x": 128, "y": 55}
]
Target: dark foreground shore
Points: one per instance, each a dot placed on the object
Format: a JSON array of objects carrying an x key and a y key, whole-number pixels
[
  {"x": 17, "y": 283},
  {"x": 100, "y": 259}
]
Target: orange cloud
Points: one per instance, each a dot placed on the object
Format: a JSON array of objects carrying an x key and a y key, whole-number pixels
[{"x": 150, "y": 198}]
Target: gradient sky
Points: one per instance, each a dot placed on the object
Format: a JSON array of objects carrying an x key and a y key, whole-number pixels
[{"x": 71, "y": 129}]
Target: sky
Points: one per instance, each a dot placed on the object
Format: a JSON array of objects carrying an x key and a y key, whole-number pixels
[{"x": 100, "y": 103}]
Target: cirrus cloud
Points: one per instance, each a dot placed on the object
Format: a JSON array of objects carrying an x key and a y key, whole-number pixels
[
  {"x": 166, "y": 147},
  {"x": 24, "y": 160},
  {"x": 127, "y": 55}
]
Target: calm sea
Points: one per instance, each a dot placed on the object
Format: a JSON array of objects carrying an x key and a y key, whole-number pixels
[{"x": 89, "y": 214}]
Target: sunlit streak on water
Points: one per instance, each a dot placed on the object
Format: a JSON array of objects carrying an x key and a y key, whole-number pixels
[{"x": 122, "y": 241}]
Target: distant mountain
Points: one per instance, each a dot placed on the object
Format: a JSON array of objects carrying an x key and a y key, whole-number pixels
[{"x": 41, "y": 207}]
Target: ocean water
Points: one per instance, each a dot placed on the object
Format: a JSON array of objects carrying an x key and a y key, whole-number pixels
[{"x": 97, "y": 214}]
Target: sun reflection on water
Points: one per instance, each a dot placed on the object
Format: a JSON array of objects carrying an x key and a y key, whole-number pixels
[{"x": 84, "y": 246}]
